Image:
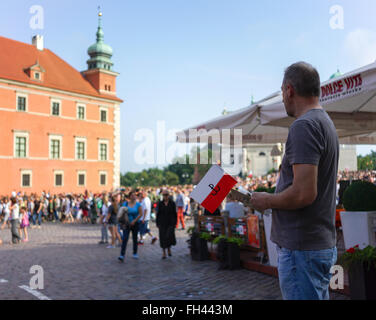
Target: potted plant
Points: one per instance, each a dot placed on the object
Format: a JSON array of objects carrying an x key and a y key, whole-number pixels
[
  {"x": 361, "y": 266},
  {"x": 234, "y": 252},
  {"x": 228, "y": 252},
  {"x": 359, "y": 219},
  {"x": 199, "y": 246}
]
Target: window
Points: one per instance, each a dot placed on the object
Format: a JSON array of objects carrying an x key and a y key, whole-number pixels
[
  {"x": 103, "y": 113},
  {"x": 21, "y": 103},
  {"x": 37, "y": 75},
  {"x": 59, "y": 178},
  {"x": 262, "y": 154},
  {"x": 103, "y": 152},
  {"x": 21, "y": 144},
  {"x": 81, "y": 179},
  {"x": 81, "y": 112},
  {"x": 80, "y": 148},
  {"x": 56, "y": 146},
  {"x": 103, "y": 178},
  {"x": 55, "y": 108},
  {"x": 26, "y": 176},
  {"x": 55, "y": 149}
]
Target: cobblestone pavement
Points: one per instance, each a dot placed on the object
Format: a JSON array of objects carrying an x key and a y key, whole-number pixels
[{"x": 77, "y": 267}]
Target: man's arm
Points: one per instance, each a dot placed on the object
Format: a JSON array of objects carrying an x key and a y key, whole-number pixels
[{"x": 300, "y": 194}]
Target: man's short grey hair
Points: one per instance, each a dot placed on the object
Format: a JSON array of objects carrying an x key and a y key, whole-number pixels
[{"x": 304, "y": 78}]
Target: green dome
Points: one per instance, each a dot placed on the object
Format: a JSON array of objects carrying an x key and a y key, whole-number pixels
[
  {"x": 335, "y": 75},
  {"x": 99, "y": 48}
]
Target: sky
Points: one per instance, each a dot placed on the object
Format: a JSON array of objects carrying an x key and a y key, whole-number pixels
[{"x": 183, "y": 62}]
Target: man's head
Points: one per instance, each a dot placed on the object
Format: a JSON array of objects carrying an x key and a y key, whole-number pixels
[
  {"x": 301, "y": 84},
  {"x": 165, "y": 194}
]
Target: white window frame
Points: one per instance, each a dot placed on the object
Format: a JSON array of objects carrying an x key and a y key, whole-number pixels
[
  {"x": 78, "y": 105},
  {"x": 55, "y": 137},
  {"x": 106, "y": 142},
  {"x": 60, "y": 107},
  {"x": 30, "y": 172},
  {"x": 56, "y": 172},
  {"x": 80, "y": 139},
  {"x": 22, "y": 134},
  {"x": 22, "y": 95},
  {"x": 100, "y": 114},
  {"x": 78, "y": 178},
  {"x": 100, "y": 174},
  {"x": 39, "y": 74}
]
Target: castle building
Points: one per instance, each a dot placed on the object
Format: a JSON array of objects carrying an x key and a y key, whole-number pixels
[{"x": 59, "y": 128}]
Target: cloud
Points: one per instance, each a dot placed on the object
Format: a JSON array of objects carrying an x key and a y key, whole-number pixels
[{"x": 360, "y": 46}]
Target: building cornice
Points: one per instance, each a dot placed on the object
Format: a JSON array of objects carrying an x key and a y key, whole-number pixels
[
  {"x": 111, "y": 73},
  {"x": 54, "y": 90}
]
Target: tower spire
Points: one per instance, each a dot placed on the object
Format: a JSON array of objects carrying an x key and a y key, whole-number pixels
[{"x": 100, "y": 33}]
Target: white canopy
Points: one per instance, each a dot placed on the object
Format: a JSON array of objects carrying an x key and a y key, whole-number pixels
[{"x": 349, "y": 99}]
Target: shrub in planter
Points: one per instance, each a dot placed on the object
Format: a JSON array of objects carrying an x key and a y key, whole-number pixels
[
  {"x": 228, "y": 252},
  {"x": 359, "y": 200},
  {"x": 199, "y": 246},
  {"x": 360, "y": 196},
  {"x": 361, "y": 266}
]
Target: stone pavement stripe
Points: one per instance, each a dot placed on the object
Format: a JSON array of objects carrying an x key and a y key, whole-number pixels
[
  {"x": 3, "y": 281},
  {"x": 35, "y": 293}
]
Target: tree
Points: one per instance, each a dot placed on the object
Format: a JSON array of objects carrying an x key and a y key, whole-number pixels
[
  {"x": 171, "y": 178},
  {"x": 367, "y": 162}
]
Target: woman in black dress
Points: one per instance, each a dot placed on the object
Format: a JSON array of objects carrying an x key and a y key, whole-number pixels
[{"x": 166, "y": 223}]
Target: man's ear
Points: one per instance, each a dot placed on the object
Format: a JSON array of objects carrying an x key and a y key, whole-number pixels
[{"x": 290, "y": 90}]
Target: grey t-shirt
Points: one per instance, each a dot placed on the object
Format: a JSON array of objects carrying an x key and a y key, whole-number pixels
[{"x": 313, "y": 140}]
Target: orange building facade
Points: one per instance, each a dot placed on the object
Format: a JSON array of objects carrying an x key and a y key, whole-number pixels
[{"x": 59, "y": 128}]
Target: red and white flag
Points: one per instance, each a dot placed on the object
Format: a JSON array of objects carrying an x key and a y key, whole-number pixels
[{"x": 213, "y": 188}]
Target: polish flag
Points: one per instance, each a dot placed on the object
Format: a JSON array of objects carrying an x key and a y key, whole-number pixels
[{"x": 213, "y": 188}]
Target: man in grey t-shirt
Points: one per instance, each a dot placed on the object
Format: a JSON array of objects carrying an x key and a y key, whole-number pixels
[{"x": 303, "y": 206}]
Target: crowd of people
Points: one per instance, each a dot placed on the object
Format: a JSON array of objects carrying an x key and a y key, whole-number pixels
[{"x": 19, "y": 211}]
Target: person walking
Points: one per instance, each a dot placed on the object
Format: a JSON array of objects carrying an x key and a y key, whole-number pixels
[
  {"x": 180, "y": 204},
  {"x": 6, "y": 210},
  {"x": 112, "y": 222},
  {"x": 134, "y": 215},
  {"x": 304, "y": 204},
  {"x": 166, "y": 223},
  {"x": 24, "y": 224},
  {"x": 103, "y": 220},
  {"x": 38, "y": 211},
  {"x": 144, "y": 224},
  {"x": 15, "y": 220}
]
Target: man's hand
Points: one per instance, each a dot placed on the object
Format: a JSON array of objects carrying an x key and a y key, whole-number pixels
[
  {"x": 133, "y": 223},
  {"x": 261, "y": 201}
]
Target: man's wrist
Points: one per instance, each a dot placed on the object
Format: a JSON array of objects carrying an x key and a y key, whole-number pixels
[{"x": 270, "y": 201}]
